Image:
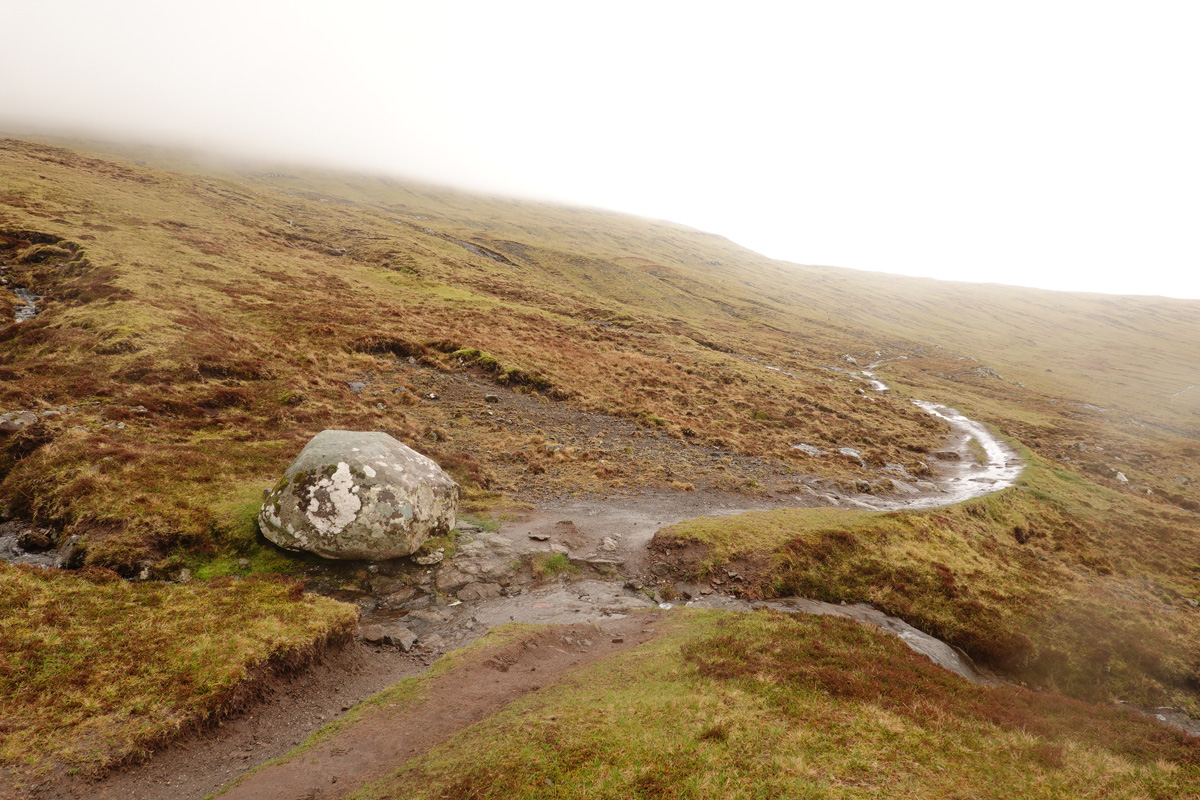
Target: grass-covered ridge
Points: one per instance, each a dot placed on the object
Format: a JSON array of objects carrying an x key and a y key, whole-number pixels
[
  {"x": 767, "y": 705},
  {"x": 1055, "y": 580},
  {"x": 95, "y": 670}
]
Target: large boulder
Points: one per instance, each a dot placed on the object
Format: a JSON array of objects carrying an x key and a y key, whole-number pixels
[{"x": 359, "y": 495}]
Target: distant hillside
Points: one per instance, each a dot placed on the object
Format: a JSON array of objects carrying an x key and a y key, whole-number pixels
[{"x": 195, "y": 329}]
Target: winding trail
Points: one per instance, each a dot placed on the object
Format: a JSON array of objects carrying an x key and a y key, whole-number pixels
[
  {"x": 611, "y": 536},
  {"x": 616, "y": 533}
]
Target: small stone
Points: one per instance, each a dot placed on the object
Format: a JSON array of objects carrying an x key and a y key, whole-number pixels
[
  {"x": 72, "y": 554},
  {"x": 478, "y": 591},
  {"x": 184, "y": 576},
  {"x": 1121, "y": 478},
  {"x": 401, "y": 637},
  {"x": 385, "y": 585},
  {"x": 34, "y": 539},
  {"x": 430, "y": 558},
  {"x": 608, "y": 544},
  {"x": 491, "y": 398},
  {"x": 14, "y": 421},
  {"x": 450, "y": 579},
  {"x": 396, "y": 599},
  {"x": 540, "y": 537},
  {"x": 617, "y": 640},
  {"x": 356, "y": 386},
  {"x": 373, "y": 634}
]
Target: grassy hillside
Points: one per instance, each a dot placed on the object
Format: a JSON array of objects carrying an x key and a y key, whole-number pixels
[
  {"x": 219, "y": 319},
  {"x": 200, "y": 323}
]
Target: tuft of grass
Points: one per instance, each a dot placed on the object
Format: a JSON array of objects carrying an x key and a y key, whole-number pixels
[
  {"x": 490, "y": 523},
  {"x": 97, "y": 670},
  {"x": 446, "y": 542},
  {"x": 977, "y": 452},
  {"x": 546, "y": 565}
]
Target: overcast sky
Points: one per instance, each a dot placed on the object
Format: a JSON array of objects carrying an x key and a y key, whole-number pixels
[{"x": 1051, "y": 144}]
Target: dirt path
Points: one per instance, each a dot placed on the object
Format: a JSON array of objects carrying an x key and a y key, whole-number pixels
[
  {"x": 291, "y": 708},
  {"x": 388, "y": 736}
]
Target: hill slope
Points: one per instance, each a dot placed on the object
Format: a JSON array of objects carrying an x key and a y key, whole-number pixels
[
  {"x": 196, "y": 325},
  {"x": 235, "y": 311}
]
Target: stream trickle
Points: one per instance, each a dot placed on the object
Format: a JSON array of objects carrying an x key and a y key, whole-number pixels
[{"x": 30, "y": 309}]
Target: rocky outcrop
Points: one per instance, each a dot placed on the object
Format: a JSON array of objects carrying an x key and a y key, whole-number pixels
[{"x": 359, "y": 495}]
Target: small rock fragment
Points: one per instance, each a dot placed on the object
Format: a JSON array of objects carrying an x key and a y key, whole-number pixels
[{"x": 430, "y": 558}]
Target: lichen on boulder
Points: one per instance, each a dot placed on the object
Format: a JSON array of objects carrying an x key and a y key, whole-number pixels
[{"x": 351, "y": 495}]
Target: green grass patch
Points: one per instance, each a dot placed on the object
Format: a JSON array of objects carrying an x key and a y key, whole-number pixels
[
  {"x": 547, "y": 565},
  {"x": 1055, "y": 580},
  {"x": 489, "y": 523},
  {"x": 770, "y": 705},
  {"x": 95, "y": 670}
]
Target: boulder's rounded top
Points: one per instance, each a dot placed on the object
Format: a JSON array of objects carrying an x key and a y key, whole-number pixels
[{"x": 371, "y": 452}]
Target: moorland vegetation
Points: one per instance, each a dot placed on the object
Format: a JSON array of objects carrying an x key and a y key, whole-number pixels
[{"x": 199, "y": 323}]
